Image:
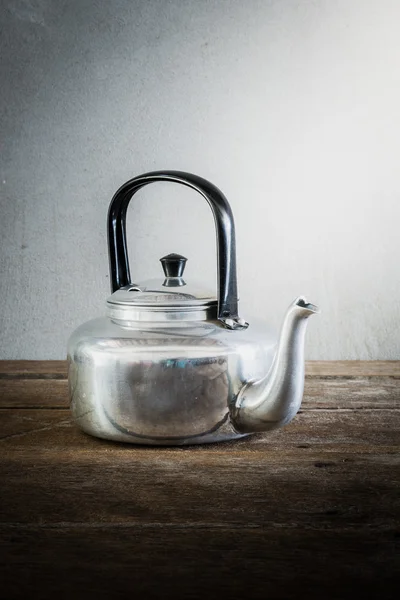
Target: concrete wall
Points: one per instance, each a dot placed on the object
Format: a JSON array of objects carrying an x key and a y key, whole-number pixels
[{"x": 291, "y": 107}]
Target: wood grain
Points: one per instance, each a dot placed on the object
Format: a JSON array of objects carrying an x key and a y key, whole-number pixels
[
  {"x": 353, "y": 368},
  {"x": 33, "y": 393},
  {"x": 52, "y": 369},
  {"x": 30, "y": 384},
  {"x": 240, "y": 563},
  {"x": 323, "y": 465},
  {"x": 339, "y": 368},
  {"x": 350, "y": 393},
  {"x": 311, "y": 510}
]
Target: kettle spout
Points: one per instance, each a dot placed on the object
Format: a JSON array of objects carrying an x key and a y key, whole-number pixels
[{"x": 274, "y": 400}]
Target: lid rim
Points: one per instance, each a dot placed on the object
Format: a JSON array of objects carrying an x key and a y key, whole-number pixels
[
  {"x": 164, "y": 307},
  {"x": 136, "y": 315}
]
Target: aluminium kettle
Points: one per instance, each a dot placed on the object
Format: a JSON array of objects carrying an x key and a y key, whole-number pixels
[{"x": 170, "y": 363}]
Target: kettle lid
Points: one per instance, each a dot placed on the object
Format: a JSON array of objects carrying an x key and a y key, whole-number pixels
[{"x": 172, "y": 291}]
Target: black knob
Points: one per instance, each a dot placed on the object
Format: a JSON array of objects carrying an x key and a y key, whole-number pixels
[{"x": 173, "y": 265}]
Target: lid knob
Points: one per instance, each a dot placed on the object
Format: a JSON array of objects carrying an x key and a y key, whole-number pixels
[{"x": 173, "y": 265}]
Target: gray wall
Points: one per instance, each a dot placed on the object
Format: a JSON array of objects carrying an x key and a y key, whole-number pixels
[{"x": 290, "y": 107}]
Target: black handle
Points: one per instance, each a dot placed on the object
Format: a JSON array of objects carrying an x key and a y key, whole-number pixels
[{"x": 225, "y": 229}]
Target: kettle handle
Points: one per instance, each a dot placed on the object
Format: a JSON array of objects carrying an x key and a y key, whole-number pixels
[{"x": 225, "y": 229}]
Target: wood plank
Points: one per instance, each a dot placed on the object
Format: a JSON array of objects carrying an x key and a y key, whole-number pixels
[
  {"x": 33, "y": 393},
  {"x": 37, "y": 368},
  {"x": 325, "y": 470},
  {"x": 355, "y": 393},
  {"x": 360, "y": 392},
  {"x": 105, "y": 562},
  {"x": 353, "y": 368},
  {"x": 358, "y": 429},
  {"x": 15, "y": 423},
  {"x": 343, "y": 430},
  {"x": 344, "y": 368}
]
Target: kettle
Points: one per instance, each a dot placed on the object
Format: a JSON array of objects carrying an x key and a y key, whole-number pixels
[{"x": 170, "y": 363}]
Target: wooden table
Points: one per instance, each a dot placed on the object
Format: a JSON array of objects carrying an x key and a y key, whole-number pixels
[{"x": 310, "y": 511}]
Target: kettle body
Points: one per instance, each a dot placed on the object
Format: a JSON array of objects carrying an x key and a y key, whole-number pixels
[
  {"x": 162, "y": 384},
  {"x": 170, "y": 363}
]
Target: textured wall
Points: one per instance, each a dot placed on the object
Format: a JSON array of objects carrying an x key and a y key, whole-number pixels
[{"x": 291, "y": 107}]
